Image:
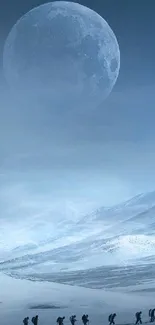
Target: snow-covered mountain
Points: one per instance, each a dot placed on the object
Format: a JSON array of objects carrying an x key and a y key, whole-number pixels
[{"x": 117, "y": 237}]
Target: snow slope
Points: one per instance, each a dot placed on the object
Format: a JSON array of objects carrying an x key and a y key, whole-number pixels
[{"x": 108, "y": 239}]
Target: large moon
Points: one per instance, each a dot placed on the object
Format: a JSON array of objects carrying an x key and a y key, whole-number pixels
[{"x": 63, "y": 52}]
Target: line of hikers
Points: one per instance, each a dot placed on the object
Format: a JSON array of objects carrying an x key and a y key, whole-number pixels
[
  {"x": 34, "y": 320},
  {"x": 73, "y": 320},
  {"x": 152, "y": 315},
  {"x": 85, "y": 319},
  {"x": 60, "y": 320},
  {"x": 138, "y": 316}
]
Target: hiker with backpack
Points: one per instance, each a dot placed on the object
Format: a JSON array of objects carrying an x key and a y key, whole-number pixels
[
  {"x": 34, "y": 320},
  {"x": 138, "y": 317},
  {"x": 152, "y": 315},
  {"x": 85, "y": 319},
  {"x": 26, "y": 320},
  {"x": 60, "y": 320},
  {"x": 73, "y": 319},
  {"x": 111, "y": 319}
]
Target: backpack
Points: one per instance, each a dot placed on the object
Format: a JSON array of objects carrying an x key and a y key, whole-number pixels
[
  {"x": 33, "y": 320},
  {"x": 109, "y": 318}
]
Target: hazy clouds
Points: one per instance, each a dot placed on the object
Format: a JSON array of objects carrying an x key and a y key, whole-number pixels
[{"x": 95, "y": 152}]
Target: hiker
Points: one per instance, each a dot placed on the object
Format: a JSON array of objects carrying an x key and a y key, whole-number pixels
[
  {"x": 111, "y": 319},
  {"x": 73, "y": 319},
  {"x": 26, "y": 320},
  {"x": 60, "y": 320},
  {"x": 34, "y": 320},
  {"x": 152, "y": 315},
  {"x": 85, "y": 319},
  {"x": 138, "y": 317}
]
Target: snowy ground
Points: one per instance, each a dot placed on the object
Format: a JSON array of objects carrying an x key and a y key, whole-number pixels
[{"x": 18, "y": 296}]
